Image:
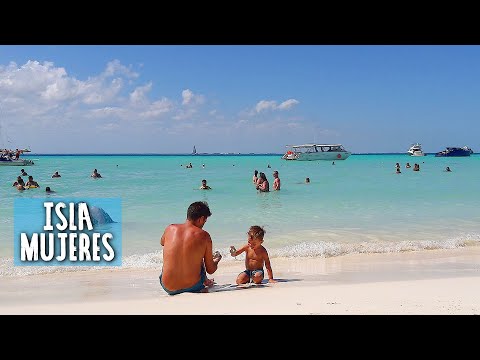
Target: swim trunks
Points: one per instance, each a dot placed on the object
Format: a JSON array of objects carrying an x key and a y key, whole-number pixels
[
  {"x": 199, "y": 286},
  {"x": 251, "y": 273}
]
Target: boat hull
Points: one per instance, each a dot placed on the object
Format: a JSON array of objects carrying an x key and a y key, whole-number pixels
[
  {"x": 454, "y": 152},
  {"x": 329, "y": 156},
  {"x": 21, "y": 162},
  {"x": 417, "y": 153},
  {"x": 452, "y": 155}
]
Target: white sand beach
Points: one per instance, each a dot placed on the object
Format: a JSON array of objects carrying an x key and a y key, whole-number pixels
[{"x": 436, "y": 282}]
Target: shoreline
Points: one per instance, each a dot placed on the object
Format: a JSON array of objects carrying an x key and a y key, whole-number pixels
[{"x": 416, "y": 282}]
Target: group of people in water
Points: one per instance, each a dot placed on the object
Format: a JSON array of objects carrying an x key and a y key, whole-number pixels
[
  {"x": 416, "y": 167},
  {"x": 261, "y": 182},
  {"x": 21, "y": 185}
]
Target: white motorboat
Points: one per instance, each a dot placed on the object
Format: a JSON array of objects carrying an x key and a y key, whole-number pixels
[
  {"x": 416, "y": 150},
  {"x": 13, "y": 158},
  {"x": 16, "y": 162},
  {"x": 311, "y": 152}
]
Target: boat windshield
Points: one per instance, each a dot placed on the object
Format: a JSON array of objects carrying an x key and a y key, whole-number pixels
[{"x": 312, "y": 148}]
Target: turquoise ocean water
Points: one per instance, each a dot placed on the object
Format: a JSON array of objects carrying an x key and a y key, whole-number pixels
[{"x": 358, "y": 205}]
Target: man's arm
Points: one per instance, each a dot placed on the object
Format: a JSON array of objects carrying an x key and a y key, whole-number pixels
[
  {"x": 162, "y": 239},
  {"x": 211, "y": 264}
]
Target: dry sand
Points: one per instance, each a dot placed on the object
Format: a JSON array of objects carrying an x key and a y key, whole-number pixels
[{"x": 425, "y": 282}]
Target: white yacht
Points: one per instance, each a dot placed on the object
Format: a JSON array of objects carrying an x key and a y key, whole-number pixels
[
  {"x": 310, "y": 152},
  {"x": 416, "y": 150}
]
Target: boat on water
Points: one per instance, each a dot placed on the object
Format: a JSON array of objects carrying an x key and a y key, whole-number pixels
[
  {"x": 416, "y": 150},
  {"x": 455, "y": 151},
  {"x": 13, "y": 158},
  {"x": 194, "y": 152},
  {"x": 312, "y": 152}
]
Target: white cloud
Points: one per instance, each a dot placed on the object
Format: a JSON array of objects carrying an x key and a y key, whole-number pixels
[
  {"x": 189, "y": 98},
  {"x": 293, "y": 125},
  {"x": 139, "y": 95},
  {"x": 157, "y": 108},
  {"x": 116, "y": 68},
  {"x": 109, "y": 127},
  {"x": 107, "y": 112},
  {"x": 287, "y": 104},
  {"x": 42, "y": 90},
  {"x": 184, "y": 114},
  {"x": 265, "y": 105},
  {"x": 43, "y": 96}
]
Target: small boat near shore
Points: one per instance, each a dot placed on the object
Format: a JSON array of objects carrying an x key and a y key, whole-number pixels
[
  {"x": 312, "y": 152},
  {"x": 13, "y": 158}
]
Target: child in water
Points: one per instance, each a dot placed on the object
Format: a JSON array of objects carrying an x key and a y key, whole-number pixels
[{"x": 256, "y": 257}]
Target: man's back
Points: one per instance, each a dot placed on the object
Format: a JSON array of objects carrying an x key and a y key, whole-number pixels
[{"x": 184, "y": 248}]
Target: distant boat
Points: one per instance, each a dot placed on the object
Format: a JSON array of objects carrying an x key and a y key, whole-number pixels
[
  {"x": 194, "y": 152},
  {"x": 455, "y": 151},
  {"x": 9, "y": 157},
  {"x": 416, "y": 150}
]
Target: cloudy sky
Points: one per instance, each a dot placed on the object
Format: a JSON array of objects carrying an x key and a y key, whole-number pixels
[{"x": 239, "y": 98}]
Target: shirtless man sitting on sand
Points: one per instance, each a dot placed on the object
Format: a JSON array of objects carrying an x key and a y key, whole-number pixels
[{"x": 187, "y": 253}]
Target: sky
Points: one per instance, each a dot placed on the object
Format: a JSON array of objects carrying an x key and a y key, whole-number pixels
[{"x": 165, "y": 99}]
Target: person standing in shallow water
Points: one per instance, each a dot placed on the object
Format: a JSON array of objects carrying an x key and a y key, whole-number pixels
[
  {"x": 187, "y": 253},
  {"x": 276, "y": 182},
  {"x": 263, "y": 186}
]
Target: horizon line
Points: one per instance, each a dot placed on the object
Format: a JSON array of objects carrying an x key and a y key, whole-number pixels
[{"x": 190, "y": 154}]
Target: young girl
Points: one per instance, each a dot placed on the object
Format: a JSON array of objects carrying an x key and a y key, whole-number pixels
[{"x": 256, "y": 257}]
